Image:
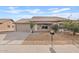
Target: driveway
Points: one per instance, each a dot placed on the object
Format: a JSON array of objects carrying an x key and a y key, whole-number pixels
[{"x": 13, "y": 37}]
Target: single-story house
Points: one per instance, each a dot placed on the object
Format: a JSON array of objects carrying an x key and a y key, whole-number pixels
[
  {"x": 7, "y": 25},
  {"x": 41, "y": 23}
]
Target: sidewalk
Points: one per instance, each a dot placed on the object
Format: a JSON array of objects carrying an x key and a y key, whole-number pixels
[
  {"x": 24, "y": 49},
  {"x": 38, "y": 49},
  {"x": 66, "y": 49}
]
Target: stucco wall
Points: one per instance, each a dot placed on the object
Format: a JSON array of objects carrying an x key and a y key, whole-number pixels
[{"x": 7, "y": 26}]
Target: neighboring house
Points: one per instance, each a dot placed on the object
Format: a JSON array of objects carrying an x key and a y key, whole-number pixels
[
  {"x": 23, "y": 25},
  {"x": 7, "y": 25},
  {"x": 41, "y": 23}
]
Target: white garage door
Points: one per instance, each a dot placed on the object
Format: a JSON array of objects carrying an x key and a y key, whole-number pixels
[{"x": 22, "y": 27}]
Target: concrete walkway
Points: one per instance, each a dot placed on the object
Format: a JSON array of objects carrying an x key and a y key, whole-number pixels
[{"x": 13, "y": 37}]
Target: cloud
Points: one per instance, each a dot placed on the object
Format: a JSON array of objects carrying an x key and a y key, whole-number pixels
[
  {"x": 35, "y": 11},
  {"x": 53, "y": 9},
  {"x": 13, "y": 10},
  {"x": 66, "y": 15},
  {"x": 57, "y": 10}
]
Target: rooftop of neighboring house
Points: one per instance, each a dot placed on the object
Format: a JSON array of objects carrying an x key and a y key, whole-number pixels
[{"x": 5, "y": 19}]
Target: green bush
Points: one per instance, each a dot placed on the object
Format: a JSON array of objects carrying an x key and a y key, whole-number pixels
[
  {"x": 71, "y": 25},
  {"x": 55, "y": 27}
]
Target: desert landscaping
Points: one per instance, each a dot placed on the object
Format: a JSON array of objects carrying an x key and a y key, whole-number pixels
[
  {"x": 45, "y": 38},
  {"x": 38, "y": 42}
]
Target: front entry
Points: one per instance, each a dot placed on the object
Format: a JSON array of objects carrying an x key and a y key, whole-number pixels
[{"x": 42, "y": 27}]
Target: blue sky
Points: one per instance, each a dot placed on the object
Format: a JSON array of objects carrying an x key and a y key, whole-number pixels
[{"x": 17, "y": 12}]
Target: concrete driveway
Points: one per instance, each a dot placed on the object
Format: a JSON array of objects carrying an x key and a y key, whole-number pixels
[{"x": 13, "y": 37}]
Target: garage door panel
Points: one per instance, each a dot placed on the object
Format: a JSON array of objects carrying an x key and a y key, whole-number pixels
[{"x": 23, "y": 27}]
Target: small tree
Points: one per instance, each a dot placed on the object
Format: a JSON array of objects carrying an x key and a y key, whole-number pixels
[
  {"x": 31, "y": 26},
  {"x": 55, "y": 27},
  {"x": 75, "y": 28}
]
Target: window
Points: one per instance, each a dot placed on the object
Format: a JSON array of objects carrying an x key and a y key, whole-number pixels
[
  {"x": 8, "y": 26},
  {"x": 44, "y": 27},
  {"x": 0, "y": 23},
  {"x": 12, "y": 26}
]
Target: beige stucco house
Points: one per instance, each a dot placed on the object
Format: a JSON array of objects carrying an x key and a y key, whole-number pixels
[
  {"x": 7, "y": 25},
  {"x": 41, "y": 23},
  {"x": 44, "y": 23}
]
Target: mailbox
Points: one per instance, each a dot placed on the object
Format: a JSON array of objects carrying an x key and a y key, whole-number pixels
[{"x": 52, "y": 32}]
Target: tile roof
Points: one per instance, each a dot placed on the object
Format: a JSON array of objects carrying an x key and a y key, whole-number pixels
[
  {"x": 47, "y": 18},
  {"x": 5, "y": 19}
]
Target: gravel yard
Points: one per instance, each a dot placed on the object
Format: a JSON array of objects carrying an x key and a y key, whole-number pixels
[{"x": 44, "y": 39}]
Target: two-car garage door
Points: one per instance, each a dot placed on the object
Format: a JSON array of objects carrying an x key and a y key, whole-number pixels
[{"x": 22, "y": 27}]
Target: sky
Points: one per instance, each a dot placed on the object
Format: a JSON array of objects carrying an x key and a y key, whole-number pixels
[{"x": 17, "y": 12}]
